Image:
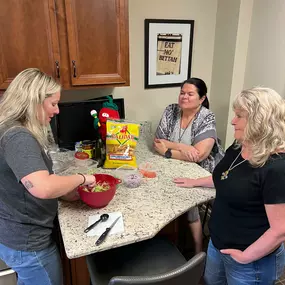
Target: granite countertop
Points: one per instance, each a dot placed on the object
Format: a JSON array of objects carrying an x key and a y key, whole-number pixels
[{"x": 146, "y": 209}]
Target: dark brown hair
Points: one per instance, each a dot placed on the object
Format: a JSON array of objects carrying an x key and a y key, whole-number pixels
[{"x": 201, "y": 88}]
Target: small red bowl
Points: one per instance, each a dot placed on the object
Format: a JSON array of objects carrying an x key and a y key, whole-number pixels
[{"x": 100, "y": 199}]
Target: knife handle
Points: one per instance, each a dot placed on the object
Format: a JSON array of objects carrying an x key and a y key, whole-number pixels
[
  {"x": 92, "y": 226},
  {"x": 103, "y": 236}
]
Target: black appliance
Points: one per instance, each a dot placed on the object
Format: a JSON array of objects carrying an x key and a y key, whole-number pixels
[{"x": 74, "y": 122}]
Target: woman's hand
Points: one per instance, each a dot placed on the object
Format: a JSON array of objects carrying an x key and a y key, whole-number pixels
[
  {"x": 237, "y": 255},
  {"x": 90, "y": 181},
  {"x": 169, "y": 144},
  {"x": 159, "y": 146},
  {"x": 191, "y": 153},
  {"x": 199, "y": 182},
  {"x": 185, "y": 182},
  {"x": 166, "y": 142}
]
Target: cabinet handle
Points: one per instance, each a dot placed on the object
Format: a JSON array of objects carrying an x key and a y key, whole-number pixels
[
  {"x": 74, "y": 68},
  {"x": 57, "y": 69}
]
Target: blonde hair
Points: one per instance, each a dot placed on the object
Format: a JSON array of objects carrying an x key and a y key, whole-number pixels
[
  {"x": 20, "y": 102},
  {"x": 265, "y": 128}
]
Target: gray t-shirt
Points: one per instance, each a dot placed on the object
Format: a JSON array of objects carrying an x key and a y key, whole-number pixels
[
  {"x": 185, "y": 134},
  {"x": 26, "y": 222}
]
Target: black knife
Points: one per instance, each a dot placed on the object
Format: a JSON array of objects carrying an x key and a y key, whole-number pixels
[{"x": 104, "y": 235}]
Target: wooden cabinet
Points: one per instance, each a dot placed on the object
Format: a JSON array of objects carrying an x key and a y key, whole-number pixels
[
  {"x": 97, "y": 42},
  {"x": 80, "y": 42},
  {"x": 28, "y": 38}
]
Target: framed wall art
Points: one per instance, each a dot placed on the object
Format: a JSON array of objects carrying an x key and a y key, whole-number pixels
[{"x": 168, "y": 52}]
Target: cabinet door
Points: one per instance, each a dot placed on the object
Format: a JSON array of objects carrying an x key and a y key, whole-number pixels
[
  {"x": 98, "y": 41},
  {"x": 28, "y": 38}
]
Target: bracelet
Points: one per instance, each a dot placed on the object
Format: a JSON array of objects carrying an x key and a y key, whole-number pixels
[{"x": 83, "y": 178}]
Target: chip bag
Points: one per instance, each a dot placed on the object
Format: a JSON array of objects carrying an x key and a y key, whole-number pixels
[{"x": 121, "y": 141}]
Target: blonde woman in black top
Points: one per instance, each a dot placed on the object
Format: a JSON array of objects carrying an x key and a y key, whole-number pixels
[{"x": 247, "y": 223}]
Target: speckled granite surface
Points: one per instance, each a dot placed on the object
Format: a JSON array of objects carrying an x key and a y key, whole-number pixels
[{"x": 146, "y": 210}]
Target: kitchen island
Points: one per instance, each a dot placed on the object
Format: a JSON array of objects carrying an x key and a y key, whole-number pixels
[{"x": 146, "y": 209}]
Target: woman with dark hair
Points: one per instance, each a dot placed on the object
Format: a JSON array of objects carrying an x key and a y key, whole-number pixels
[{"x": 187, "y": 131}]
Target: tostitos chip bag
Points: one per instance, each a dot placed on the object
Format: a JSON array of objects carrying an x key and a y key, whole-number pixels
[{"x": 121, "y": 141}]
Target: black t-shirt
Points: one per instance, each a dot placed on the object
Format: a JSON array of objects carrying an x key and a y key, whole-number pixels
[{"x": 238, "y": 216}]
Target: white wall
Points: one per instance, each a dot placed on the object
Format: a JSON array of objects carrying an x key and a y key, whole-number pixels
[
  {"x": 224, "y": 52},
  {"x": 149, "y": 104},
  {"x": 260, "y": 50},
  {"x": 249, "y": 51},
  {"x": 266, "y": 51},
  {"x": 239, "y": 65}
]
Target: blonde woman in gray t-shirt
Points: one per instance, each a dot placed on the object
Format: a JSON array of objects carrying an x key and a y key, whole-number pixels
[{"x": 28, "y": 187}]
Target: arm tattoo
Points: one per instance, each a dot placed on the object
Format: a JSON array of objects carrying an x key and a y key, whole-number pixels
[{"x": 28, "y": 184}]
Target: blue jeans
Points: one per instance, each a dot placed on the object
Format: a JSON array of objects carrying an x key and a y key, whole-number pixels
[
  {"x": 222, "y": 269},
  {"x": 34, "y": 267}
]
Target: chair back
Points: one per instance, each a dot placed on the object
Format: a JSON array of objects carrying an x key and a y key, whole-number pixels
[{"x": 188, "y": 274}]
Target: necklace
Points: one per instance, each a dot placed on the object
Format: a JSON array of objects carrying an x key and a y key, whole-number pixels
[
  {"x": 232, "y": 166},
  {"x": 181, "y": 135}
]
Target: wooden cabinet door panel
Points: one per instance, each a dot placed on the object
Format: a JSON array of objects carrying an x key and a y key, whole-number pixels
[
  {"x": 28, "y": 38},
  {"x": 98, "y": 41}
]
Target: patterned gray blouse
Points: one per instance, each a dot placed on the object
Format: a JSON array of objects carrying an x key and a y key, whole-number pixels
[{"x": 203, "y": 127}]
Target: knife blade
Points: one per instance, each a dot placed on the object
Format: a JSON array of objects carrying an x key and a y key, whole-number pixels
[{"x": 104, "y": 235}]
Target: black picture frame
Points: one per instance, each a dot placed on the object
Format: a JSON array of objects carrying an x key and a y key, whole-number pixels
[{"x": 161, "y": 68}]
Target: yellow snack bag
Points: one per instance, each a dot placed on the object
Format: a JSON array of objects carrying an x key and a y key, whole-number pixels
[{"x": 121, "y": 141}]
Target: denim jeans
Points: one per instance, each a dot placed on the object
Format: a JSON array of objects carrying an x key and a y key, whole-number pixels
[
  {"x": 34, "y": 267},
  {"x": 222, "y": 269}
]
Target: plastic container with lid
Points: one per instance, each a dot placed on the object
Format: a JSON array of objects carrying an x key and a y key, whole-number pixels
[
  {"x": 82, "y": 159},
  {"x": 61, "y": 159},
  {"x": 130, "y": 176}
]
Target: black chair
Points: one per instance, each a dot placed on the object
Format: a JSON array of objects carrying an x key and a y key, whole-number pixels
[
  {"x": 155, "y": 261},
  {"x": 208, "y": 209}
]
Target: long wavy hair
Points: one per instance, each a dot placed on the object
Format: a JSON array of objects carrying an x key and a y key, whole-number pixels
[
  {"x": 265, "y": 128},
  {"x": 23, "y": 100}
]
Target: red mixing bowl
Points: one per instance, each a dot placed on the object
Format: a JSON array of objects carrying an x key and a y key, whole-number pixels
[{"x": 100, "y": 199}]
